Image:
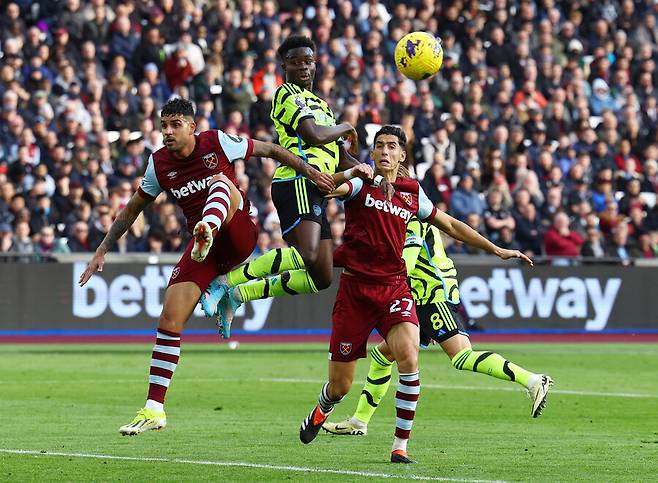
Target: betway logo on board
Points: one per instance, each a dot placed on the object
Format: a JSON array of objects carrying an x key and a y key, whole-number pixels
[
  {"x": 388, "y": 208},
  {"x": 508, "y": 294},
  {"x": 191, "y": 187},
  {"x": 131, "y": 296}
]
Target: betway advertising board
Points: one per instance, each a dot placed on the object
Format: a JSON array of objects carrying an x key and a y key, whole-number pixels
[{"x": 129, "y": 296}]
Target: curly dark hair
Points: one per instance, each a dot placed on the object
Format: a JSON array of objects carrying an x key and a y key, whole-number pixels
[
  {"x": 294, "y": 42},
  {"x": 178, "y": 106}
]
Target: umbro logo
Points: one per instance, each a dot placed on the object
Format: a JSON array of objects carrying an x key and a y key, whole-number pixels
[{"x": 172, "y": 174}]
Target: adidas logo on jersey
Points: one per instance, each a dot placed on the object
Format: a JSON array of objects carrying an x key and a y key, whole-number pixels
[
  {"x": 191, "y": 187},
  {"x": 388, "y": 208}
]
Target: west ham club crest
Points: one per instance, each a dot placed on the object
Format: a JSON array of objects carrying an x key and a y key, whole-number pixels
[
  {"x": 406, "y": 197},
  {"x": 345, "y": 348},
  {"x": 210, "y": 160}
]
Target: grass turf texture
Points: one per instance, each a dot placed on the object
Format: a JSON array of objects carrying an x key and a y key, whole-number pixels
[{"x": 245, "y": 406}]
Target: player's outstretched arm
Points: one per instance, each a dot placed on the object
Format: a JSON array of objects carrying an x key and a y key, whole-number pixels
[
  {"x": 361, "y": 170},
  {"x": 123, "y": 221},
  {"x": 316, "y": 135},
  {"x": 324, "y": 181},
  {"x": 339, "y": 192},
  {"x": 462, "y": 232},
  {"x": 345, "y": 158}
]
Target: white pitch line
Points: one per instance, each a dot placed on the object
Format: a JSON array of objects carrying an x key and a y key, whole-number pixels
[
  {"x": 483, "y": 388},
  {"x": 284, "y": 380},
  {"x": 238, "y": 464}
]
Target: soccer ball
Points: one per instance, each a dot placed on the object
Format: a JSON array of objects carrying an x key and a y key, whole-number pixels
[{"x": 418, "y": 55}]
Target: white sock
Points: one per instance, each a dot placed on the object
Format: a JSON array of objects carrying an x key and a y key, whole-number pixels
[
  {"x": 534, "y": 379},
  {"x": 400, "y": 444},
  {"x": 357, "y": 422},
  {"x": 155, "y": 405}
]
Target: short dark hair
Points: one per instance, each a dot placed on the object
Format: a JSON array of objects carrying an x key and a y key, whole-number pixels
[
  {"x": 294, "y": 42},
  {"x": 394, "y": 131},
  {"x": 178, "y": 106}
]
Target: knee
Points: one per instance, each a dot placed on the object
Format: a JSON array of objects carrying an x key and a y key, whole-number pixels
[
  {"x": 339, "y": 388},
  {"x": 407, "y": 359},
  {"x": 167, "y": 322},
  {"x": 320, "y": 274},
  {"x": 309, "y": 255},
  {"x": 321, "y": 280},
  {"x": 221, "y": 177},
  {"x": 459, "y": 358}
]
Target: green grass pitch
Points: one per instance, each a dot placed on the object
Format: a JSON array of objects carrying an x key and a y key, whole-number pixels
[{"x": 234, "y": 416}]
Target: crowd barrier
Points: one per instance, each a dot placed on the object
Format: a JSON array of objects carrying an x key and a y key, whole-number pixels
[{"x": 500, "y": 296}]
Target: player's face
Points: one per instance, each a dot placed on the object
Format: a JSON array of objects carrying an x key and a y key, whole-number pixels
[
  {"x": 177, "y": 132},
  {"x": 299, "y": 66},
  {"x": 387, "y": 154}
]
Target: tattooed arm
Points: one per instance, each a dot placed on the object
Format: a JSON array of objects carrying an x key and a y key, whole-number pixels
[{"x": 123, "y": 221}]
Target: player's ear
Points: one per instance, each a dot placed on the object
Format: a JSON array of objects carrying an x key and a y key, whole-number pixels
[
  {"x": 403, "y": 154},
  {"x": 192, "y": 127}
]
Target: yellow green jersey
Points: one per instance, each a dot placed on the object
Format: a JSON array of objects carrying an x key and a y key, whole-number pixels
[
  {"x": 432, "y": 274},
  {"x": 292, "y": 104}
]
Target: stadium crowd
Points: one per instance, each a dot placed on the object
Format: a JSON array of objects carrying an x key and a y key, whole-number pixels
[{"x": 540, "y": 130}]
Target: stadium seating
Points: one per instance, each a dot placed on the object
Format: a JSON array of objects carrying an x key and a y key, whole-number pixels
[{"x": 558, "y": 101}]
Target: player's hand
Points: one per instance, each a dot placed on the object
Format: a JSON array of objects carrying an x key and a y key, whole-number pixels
[
  {"x": 95, "y": 265},
  {"x": 353, "y": 138},
  {"x": 508, "y": 254},
  {"x": 387, "y": 190},
  {"x": 363, "y": 171},
  {"x": 324, "y": 182}
]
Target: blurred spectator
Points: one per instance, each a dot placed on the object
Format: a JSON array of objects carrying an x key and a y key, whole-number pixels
[
  {"x": 237, "y": 95},
  {"x": 601, "y": 100},
  {"x": 618, "y": 247},
  {"x": 48, "y": 244},
  {"x": 603, "y": 191},
  {"x": 496, "y": 217},
  {"x": 644, "y": 248},
  {"x": 529, "y": 230},
  {"x": 593, "y": 246},
  {"x": 6, "y": 237},
  {"x": 267, "y": 78},
  {"x": 178, "y": 69},
  {"x": 466, "y": 199},
  {"x": 559, "y": 240},
  {"x": 22, "y": 243},
  {"x": 79, "y": 240},
  {"x": 436, "y": 184}
]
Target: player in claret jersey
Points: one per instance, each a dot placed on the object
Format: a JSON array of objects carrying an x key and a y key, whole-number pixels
[
  {"x": 197, "y": 170},
  {"x": 433, "y": 279},
  {"x": 373, "y": 291}
]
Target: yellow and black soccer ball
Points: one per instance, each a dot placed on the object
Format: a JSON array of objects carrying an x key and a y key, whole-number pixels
[{"x": 418, "y": 55}]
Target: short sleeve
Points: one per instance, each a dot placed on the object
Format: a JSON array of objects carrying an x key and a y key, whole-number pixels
[
  {"x": 150, "y": 188},
  {"x": 425, "y": 207},
  {"x": 354, "y": 185},
  {"x": 289, "y": 107},
  {"x": 235, "y": 147}
]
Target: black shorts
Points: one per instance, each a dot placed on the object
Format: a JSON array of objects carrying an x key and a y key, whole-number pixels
[
  {"x": 299, "y": 199},
  {"x": 440, "y": 322}
]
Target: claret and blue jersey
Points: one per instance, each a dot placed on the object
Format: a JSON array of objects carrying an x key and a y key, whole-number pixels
[
  {"x": 187, "y": 179},
  {"x": 375, "y": 229}
]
